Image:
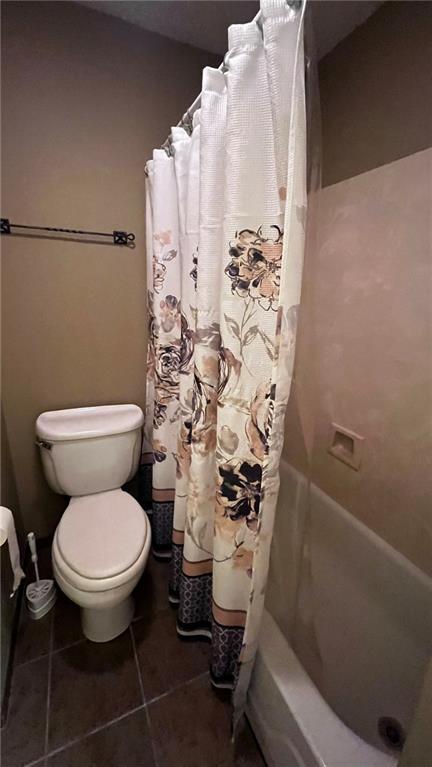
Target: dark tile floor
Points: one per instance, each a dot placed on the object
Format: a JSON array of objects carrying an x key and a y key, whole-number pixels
[{"x": 142, "y": 700}]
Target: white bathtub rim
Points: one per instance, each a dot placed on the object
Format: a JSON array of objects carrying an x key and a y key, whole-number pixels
[{"x": 329, "y": 740}]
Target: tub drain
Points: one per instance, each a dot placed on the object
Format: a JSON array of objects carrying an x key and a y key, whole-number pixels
[{"x": 391, "y": 732}]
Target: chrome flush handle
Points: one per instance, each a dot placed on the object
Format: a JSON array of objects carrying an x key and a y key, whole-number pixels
[{"x": 42, "y": 443}]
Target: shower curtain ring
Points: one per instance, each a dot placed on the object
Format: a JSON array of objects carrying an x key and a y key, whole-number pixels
[
  {"x": 188, "y": 121},
  {"x": 225, "y": 67}
]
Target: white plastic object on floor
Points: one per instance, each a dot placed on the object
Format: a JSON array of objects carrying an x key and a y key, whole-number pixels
[{"x": 41, "y": 594}]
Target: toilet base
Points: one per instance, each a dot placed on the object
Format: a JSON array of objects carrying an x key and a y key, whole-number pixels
[{"x": 106, "y": 624}]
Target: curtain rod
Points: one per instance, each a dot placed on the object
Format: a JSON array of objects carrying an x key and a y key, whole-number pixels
[{"x": 186, "y": 120}]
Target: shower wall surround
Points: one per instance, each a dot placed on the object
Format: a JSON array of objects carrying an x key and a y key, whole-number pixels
[
  {"x": 365, "y": 334},
  {"x": 370, "y": 338},
  {"x": 373, "y": 339},
  {"x": 89, "y": 96}
]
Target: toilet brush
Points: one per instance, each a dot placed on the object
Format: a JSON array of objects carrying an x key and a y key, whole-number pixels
[{"x": 41, "y": 595}]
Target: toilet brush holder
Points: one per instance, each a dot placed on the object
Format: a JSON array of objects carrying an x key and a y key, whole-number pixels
[{"x": 41, "y": 594}]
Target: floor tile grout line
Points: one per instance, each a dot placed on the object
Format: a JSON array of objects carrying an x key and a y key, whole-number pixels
[
  {"x": 177, "y": 687},
  {"x": 156, "y": 611},
  {"x": 161, "y": 697},
  {"x": 95, "y": 730},
  {"x": 37, "y": 763},
  {"x": 22, "y": 663},
  {"x": 137, "y": 665},
  {"x": 152, "y": 743},
  {"x": 67, "y": 646},
  {"x": 48, "y": 700},
  {"x": 76, "y": 642},
  {"x": 146, "y": 711},
  {"x": 47, "y": 654}
]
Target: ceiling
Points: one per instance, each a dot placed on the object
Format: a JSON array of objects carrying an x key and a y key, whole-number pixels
[{"x": 204, "y": 23}]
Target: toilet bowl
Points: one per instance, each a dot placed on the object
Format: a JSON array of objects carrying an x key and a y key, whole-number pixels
[
  {"x": 102, "y": 542},
  {"x": 99, "y": 553}
]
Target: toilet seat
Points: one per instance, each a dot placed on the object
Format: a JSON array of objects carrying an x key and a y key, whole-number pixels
[{"x": 101, "y": 541}]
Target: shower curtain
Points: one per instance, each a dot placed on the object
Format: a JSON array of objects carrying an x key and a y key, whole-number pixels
[{"x": 226, "y": 212}]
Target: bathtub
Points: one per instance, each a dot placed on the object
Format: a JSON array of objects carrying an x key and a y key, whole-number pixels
[{"x": 364, "y": 612}]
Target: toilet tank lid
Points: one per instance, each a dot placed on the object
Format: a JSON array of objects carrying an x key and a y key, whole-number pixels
[{"x": 87, "y": 422}]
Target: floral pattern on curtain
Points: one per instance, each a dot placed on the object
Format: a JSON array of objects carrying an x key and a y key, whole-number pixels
[
  {"x": 225, "y": 242},
  {"x": 165, "y": 356}
]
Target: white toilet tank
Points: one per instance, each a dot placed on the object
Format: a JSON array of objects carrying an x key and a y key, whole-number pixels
[{"x": 89, "y": 450}]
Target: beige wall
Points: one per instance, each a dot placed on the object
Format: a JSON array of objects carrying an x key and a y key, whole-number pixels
[
  {"x": 85, "y": 99},
  {"x": 376, "y": 91}
]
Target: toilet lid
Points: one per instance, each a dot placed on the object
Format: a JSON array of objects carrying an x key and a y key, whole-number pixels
[{"x": 102, "y": 535}]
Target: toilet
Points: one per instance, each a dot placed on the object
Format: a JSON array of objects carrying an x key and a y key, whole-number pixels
[{"x": 102, "y": 542}]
